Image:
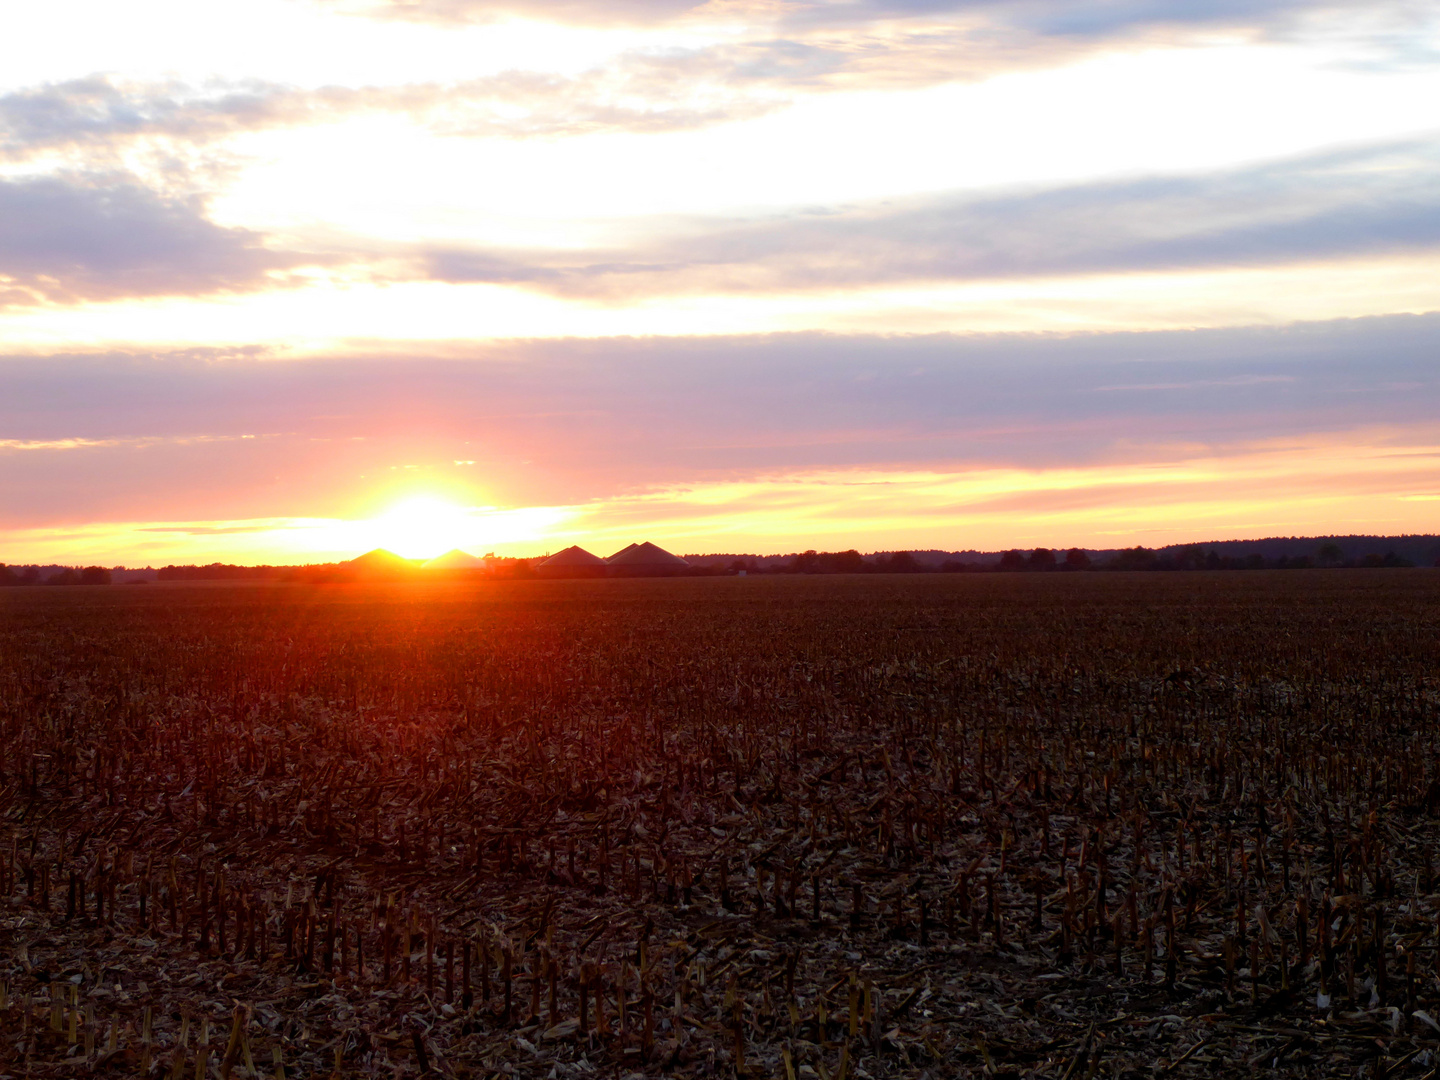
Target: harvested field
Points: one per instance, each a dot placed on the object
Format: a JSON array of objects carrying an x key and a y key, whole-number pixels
[{"x": 1004, "y": 825}]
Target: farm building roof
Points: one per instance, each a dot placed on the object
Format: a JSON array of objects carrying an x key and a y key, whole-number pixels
[
  {"x": 573, "y": 556},
  {"x": 382, "y": 560},
  {"x": 646, "y": 554}
]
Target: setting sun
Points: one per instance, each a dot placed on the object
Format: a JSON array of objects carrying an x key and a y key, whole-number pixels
[
  {"x": 423, "y": 526},
  {"x": 420, "y": 527}
]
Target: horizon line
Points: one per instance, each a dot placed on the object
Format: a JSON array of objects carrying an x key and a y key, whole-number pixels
[{"x": 980, "y": 552}]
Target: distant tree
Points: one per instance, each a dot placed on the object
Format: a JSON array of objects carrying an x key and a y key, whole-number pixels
[
  {"x": 1014, "y": 559},
  {"x": 843, "y": 562},
  {"x": 216, "y": 572},
  {"x": 1255, "y": 561},
  {"x": 1331, "y": 555},
  {"x": 1075, "y": 559},
  {"x": 1389, "y": 559},
  {"x": 8, "y": 576},
  {"x": 1190, "y": 558},
  {"x": 1041, "y": 559},
  {"x": 68, "y": 576},
  {"x": 30, "y": 575},
  {"x": 807, "y": 562},
  {"x": 1213, "y": 561},
  {"x": 94, "y": 575},
  {"x": 902, "y": 562},
  {"x": 1136, "y": 558}
]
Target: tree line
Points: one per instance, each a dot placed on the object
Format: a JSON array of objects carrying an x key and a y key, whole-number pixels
[
  {"x": 850, "y": 561},
  {"x": 1049, "y": 560},
  {"x": 65, "y": 575}
]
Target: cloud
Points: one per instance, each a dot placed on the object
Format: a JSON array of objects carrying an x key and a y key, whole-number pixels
[
  {"x": 98, "y": 111},
  {"x": 760, "y": 443},
  {"x": 648, "y": 90},
  {"x": 1327, "y": 206},
  {"x": 740, "y": 60},
  {"x": 65, "y": 239},
  {"x": 585, "y": 12},
  {"x": 82, "y": 237},
  {"x": 642, "y": 93},
  {"x": 1041, "y": 18},
  {"x": 1064, "y": 18},
  {"x": 55, "y": 444},
  {"x": 1197, "y": 384},
  {"x": 562, "y": 422},
  {"x": 32, "y": 445},
  {"x": 208, "y": 530},
  {"x": 766, "y": 56},
  {"x": 98, "y": 117},
  {"x": 1351, "y": 481}
]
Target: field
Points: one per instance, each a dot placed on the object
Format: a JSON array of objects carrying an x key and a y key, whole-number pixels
[{"x": 1004, "y": 825}]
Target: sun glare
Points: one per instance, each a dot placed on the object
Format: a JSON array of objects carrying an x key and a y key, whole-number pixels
[{"x": 422, "y": 527}]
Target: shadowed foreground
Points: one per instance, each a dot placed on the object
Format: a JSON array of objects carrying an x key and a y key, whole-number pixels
[{"x": 1046, "y": 825}]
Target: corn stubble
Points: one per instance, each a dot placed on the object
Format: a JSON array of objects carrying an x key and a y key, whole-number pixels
[{"x": 1060, "y": 826}]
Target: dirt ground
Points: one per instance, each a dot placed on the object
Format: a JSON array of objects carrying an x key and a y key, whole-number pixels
[{"x": 1054, "y": 825}]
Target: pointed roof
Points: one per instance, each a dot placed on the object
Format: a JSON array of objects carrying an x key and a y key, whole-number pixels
[
  {"x": 380, "y": 565},
  {"x": 455, "y": 559},
  {"x": 646, "y": 554},
  {"x": 380, "y": 559},
  {"x": 573, "y": 556}
]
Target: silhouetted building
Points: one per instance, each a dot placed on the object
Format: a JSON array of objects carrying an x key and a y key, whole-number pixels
[
  {"x": 646, "y": 560},
  {"x": 573, "y": 562}
]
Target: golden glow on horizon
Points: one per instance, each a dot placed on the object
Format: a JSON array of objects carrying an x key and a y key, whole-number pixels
[
  {"x": 420, "y": 527},
  {"x": 424, "y": 526},
  {"x": 1370, "y": 481}
]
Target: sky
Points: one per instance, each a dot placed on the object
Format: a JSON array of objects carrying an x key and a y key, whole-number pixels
[{"x": 285, "y": 280}]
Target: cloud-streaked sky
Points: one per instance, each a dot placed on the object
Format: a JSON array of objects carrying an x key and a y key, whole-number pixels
[{"x": 288, "y": 279}]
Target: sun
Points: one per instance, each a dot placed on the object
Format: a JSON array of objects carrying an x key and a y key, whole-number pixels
[
  {"x": 424, "y": 525},
  {"x": 421, "y": 527}
]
